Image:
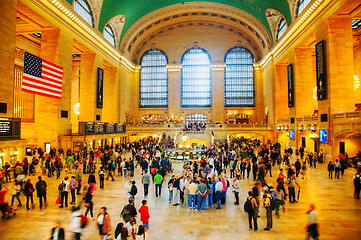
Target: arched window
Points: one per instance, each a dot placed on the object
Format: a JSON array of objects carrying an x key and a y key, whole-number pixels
[
  {"x": 109, "y": 35},
  {"x": 282, "y": 27},
  {"x": 82, "y": 8},
  {"x": 239, "y": 89},
  {"x": 153, "y": 85},
  {"x": 196, "y": 78},
  {"x": 302, "y": 4}
]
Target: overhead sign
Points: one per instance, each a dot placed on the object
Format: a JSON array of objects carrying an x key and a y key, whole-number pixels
[{"x": 321, "y": 71}]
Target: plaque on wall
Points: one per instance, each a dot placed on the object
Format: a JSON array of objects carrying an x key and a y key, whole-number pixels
[
  {"x": 291, "y": 100},
  {"x": 100, "y": 88},
  {"x": 90, "y": 127},
  {"x": 321, "y": 71},
  {"x": 110, "y": 128}
]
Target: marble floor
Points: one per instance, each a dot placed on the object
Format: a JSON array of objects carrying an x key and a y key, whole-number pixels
[{"x": 339, "y": 213}]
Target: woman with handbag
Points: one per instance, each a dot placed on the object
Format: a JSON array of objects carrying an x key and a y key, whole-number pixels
[
  {"x": 88, "y": 201},
  {"x": 28, "y": 191},
  {"x": 103, "y": 221}
]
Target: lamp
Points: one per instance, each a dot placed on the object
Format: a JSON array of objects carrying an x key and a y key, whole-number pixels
[
  {"x": 300, "y": 127},
  {"x": 2, "y": 154},
  {"x": 313, "y": 127}
]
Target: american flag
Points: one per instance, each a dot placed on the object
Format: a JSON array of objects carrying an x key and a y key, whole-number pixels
[{"x": 42, "y": 77}]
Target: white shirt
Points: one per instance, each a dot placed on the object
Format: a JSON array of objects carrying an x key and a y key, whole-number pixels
[
  {"x": 129, "y": 228},
  {"x": 312, "y": 217},
  {"x": 100, "y": 219},
  {"x": 75, "y": 222},
  {"x": 219, "y": 186},
  {"x": 66, "y": 189}
]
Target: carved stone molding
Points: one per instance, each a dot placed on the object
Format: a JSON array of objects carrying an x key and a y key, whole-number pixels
[
  {"x": 117, "y": 24},
  {"x": 273, "y": 18},
  {"x": 96, "y": 6},
  {"x": 292, "y": 4},
  {"x": 213, "y": 12}
]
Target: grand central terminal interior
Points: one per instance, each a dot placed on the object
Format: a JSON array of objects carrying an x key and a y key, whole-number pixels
[{"x": 88, "y": 74}]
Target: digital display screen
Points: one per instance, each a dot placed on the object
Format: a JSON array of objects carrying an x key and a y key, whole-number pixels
[
  {"x": 323, "y": 135},
  {"x": 292, "y": 134},
  {"x": 5, "y": 128}
]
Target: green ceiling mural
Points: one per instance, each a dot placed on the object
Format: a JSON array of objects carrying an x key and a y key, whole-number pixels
[{"x": 135, "y": 9}]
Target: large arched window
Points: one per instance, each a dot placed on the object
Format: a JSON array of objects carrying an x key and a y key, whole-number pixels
[
  {"x": 281, "y": 29},
  {"x": 239, "y": 89},
  {"x": 302, "y": 4},
  {"x": 82, "y": 8},
  {"x": 196, "y": 78},
  {"x": 153, "y": 84},
  {"x": 109, "y": 35}
]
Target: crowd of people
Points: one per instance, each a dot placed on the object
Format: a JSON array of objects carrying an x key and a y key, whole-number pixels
[{"x": 202, "y": 185}]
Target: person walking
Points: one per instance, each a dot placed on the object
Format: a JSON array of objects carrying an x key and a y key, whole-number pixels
[
  {"x": 16, "y": 193},
  {"x": 219, "y": 192},
  {"x": 291, "y": 183},
  {"x": 357, "y": 184},
  {"x": 75, "y": 225},
  {"x": 88, "y": 203},
  {"x": 79, "y": 179},
  {"x": 158, "y": 179},
  {"x": 144, "y": 214},
  {"x": 57, "y": 232},
  {"x": 103, "y": 222},
  {"x": 145, "y": 181},
  {"x": 28, "y": 191},
  {"x": 176, "y": 191},
  {"x": 338, "y": 167},
  {"x": 41, "y": 191},
  {"x": 312, "y": 225}
]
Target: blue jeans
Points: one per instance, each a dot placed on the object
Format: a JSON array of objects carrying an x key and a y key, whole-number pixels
[
  {"x": 200, "y": 202},
  {"x": 125, "y": 172},
  {"x": 57, "y": 173},
  {"x": 72, "y": 191},
  {"x": 206, "y": 202},
  {"x": 158, "y": 189},
  {"x": 211, "y": 199},
  {"x": 170, "y": 196},
  {"x": 218, "y": 198},
  {"x": 192, "y": 201}
]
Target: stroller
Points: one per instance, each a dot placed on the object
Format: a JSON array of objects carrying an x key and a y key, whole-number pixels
[{"x": 7, "y": 210}]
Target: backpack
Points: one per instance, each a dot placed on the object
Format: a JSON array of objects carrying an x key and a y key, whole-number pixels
[
  {"x": 248, "y": 206},
  {"x": 133, "y": 190},
  {"x": 273, "y": 203},
  {"x": 61, "y": 186},
  {"x": 42, "y": 186},
  {"x": 83, "y": 221}
]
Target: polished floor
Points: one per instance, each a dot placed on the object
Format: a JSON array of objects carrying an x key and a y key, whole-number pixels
[{"x": 339, "y": 213}]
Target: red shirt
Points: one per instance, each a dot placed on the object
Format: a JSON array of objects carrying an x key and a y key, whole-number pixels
[
  {"x": 144, "y": 214},
  {"x": 2, "y": 196}
]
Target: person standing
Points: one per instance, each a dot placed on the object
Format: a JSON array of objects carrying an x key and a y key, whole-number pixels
[
  {"x": 145, "y": 181},
  {"x": 202, "y": 194},
  {"x": 64, "y": 190},
  {"x": 298, "y": 167},
  {"x": 330, "y": 169},
  {"x": 267, "y": 205},
  {"x": 28, "y": 191},
  {"x": 72, "y": 187},
  {"x": 170, "y": 188},
  {"x": 251, "y": 212},
  {"x": 129, "y": 211},
  {"x": 158, "y": 179},
  {"x": 236, "y": 190},
  {"x": 312, "y": 225},
  {"x": 357, "y": 184},
  {"x": 257, "y": 196},
  {"x": 301, "y": 151},
  {"x": 103, "y": 222},
  {"x": 79, "y": 179},
  {"x": 192, "y": 189},
  {"x": 144, "y": 214},
  {"x": 185, "y": 191},
  {"x": 218, "y": 190},
  {"x": 176, "y": 191},
  {"x": 101, "y": 174},
  {"x": 41, "y": 191},
  {"x": 338, "y": 167},
  {"x": 291, "y": 183}
]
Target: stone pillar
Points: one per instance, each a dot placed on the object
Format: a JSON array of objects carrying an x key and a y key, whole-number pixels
[
  {"x": 304, "y": 82},
  {"x": 46, "y": 108},
  {"x": 281, "y": 92},
  {"x": 7, "y": 57},
  {"x": 88, "y": 86},
  {"x": 110, "y": 94},
  {"x": 129, "y": 101},
  {"x": 218, "y": 109},
  {"x": 174, "y": 92}
]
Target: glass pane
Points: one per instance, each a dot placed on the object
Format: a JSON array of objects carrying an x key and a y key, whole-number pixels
[
  {"x": 239, "y": 89},
  {"x": 109, "y": 35},
  {"x": 82, "y": 8},
  {"x": 282, "y": 27},
  {"x": 153, "y": 86},
  {"x": 302, "y": 4},
  {"x": 196, "y": 78}
]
